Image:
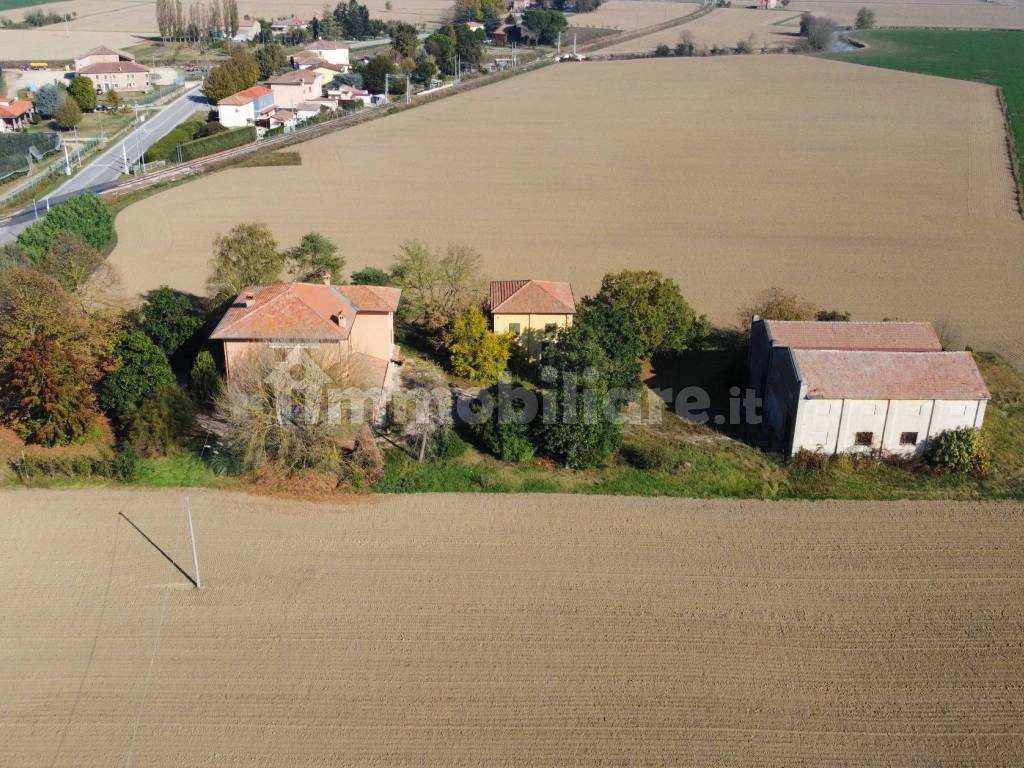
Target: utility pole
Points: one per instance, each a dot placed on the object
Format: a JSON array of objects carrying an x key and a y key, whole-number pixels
[
  {"x": 124, "y": 155},
  {"x": 192, "y": 538},
  {"x": 35, "y": 208},
  {"x": 559, "y": 51},
  {"x": 67, "y": 163}
]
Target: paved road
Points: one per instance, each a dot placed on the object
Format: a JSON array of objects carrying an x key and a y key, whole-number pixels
[{"x": 107, "y": 167}]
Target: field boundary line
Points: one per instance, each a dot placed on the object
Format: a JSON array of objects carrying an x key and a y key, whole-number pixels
[{"x": 624, "y": 37}]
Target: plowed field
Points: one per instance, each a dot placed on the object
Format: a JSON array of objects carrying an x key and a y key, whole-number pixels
[{"x": 529, "y": 630}]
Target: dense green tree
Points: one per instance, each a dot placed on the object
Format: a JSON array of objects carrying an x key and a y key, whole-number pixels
[
  {"x": 68, "y": 114},
  {"x": 313, "y": 259},
  {"x": 588, "y": 429},
  {"x": 468, "y": 45},
  {"x": 142, "y": 368},
  {"x": 371, "y": 276},
  {"x": 204, "y": 379},
  {"x": 404, "y": 38},
  {"x": 475, "y": 351},
  {"x": 506, "y": 432},
  {"x": 247, "y": 255},
  {"x": 544, "y": 26},
  {"x": 52, "y": 355},
  {"x": 374, "y": 72},
  {"x": 86, "y": 215},
  {"x": 425, "y": 71},
  {"x": 70, "y": 260},
  {"x": 169, "y": 317},
  {"x": 241, "y": 71},
  {"x": 637, "y": 314},
  {"x": 48, "y": 99},
  {"x": 442, "y": 45},
  {"x": 271, "y": 59},
  {"x": 865, "y": 19},
  {"x": 83, "y": 91}
]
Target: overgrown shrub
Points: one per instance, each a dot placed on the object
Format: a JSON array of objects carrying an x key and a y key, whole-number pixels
[
  {"x": 86, "y": 215},
  {"x": 167, "y": 147},
  {"x": 204, "y": 379},
  {"x": 962, "y": 451},
  {"x": 657, "y": 457},
  {"x": 218, "y": 142},
  {"x": 163, "y": 423},
  {"x": 143, "y": 369},
  {"x": 445, "y": 444},
  {"x": 505, "y": 434}
]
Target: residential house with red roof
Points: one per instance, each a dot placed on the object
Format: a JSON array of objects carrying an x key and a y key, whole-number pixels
[
  {"x": 882, "y": 388},
  {"x": 353, "y": 324},
  {"x": 245, "y": 107},
  {"x": 14, "y": 113},
  {"x": 112, "y": 70},
  {"x": 533, "y": 310},
  {"x": 293, "y": 88}
]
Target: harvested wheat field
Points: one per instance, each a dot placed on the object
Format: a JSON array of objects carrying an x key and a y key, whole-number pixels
[
  {"x": 123, "y": 23},
  {"x": 985, "y": 14},
  {"x": 632, "y": 14},
  {"x": 883, "y": 193},
  {"x": 509, "y": 630},
  {"x": 723, "y": 27}
]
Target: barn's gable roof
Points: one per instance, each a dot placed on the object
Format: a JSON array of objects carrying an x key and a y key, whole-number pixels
[
  {"x": 860, "y": 375},
  {"x": 880, "y": 336}
]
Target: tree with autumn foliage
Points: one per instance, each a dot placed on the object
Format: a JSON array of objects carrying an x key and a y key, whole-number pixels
[{"x": 52, "y": 356}]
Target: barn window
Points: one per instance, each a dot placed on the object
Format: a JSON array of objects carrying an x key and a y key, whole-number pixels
[
  {"x": 550, "y": 329},
  {"x": 908, "y": 438},
  {"x": 514, "y": 327},
  {"x": 864, "y": 438}
]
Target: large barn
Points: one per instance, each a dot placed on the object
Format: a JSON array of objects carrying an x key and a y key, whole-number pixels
[{"x": 861, "y": 387}]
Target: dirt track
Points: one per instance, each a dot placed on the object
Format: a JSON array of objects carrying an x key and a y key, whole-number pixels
[
  {"x": 529, "y": 630},
  {"x": 877, "y": 192}
]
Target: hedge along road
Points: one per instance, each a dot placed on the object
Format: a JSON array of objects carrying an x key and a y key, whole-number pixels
[{"x": 108, "y": 166}]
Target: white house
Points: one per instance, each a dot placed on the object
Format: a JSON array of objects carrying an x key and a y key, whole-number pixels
[
  {"x": 245, "y": 107},
  {"x": 850, "y": 401},
  {"x": 248, "y": 29},
  {"x": 346, "y": 93},
  {"x": 330, "y": 51}
]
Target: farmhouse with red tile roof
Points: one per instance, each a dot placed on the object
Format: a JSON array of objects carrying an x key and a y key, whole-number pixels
[
  {"x": 333, "y": 323},
  {"x": 533, "y": 310}
]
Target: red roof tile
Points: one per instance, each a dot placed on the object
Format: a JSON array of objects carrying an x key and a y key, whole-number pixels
[
  {"x": 372, "y": 298},
  {"x": 112, "y": 67},
  {"x": 860, "y": 375},
  {"x": 891, "y": 336},
  {"x": 11, "y": 108},
  {"x": 539, "y": 297},
  {"x": 245, "y": 96},
  {"x": 302, "y": 311},
  {"x": 295, "y": 77}
]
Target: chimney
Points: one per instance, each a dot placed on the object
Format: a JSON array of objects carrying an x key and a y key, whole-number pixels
[{"x": 327, "y": 277}]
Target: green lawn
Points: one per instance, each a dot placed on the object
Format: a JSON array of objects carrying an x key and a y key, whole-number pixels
[
  {"x": 987, "y": 56},
  {"x": 697, "y": 461}
]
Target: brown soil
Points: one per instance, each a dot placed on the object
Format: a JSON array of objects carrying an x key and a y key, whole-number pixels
[
  {"x": 511, "y": 630},
  {"x": 878, "y": 192}
]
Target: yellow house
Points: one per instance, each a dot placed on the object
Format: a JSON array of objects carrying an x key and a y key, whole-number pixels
[{"x": 533, "y": 310}]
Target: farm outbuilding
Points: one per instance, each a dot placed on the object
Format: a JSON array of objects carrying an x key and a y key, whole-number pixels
[{"x": 861, "y": 387}]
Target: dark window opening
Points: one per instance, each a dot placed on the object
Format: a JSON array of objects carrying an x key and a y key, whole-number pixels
[
  {"x": 864, "y": 438},
  {"x": 908, "y": 438}
]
